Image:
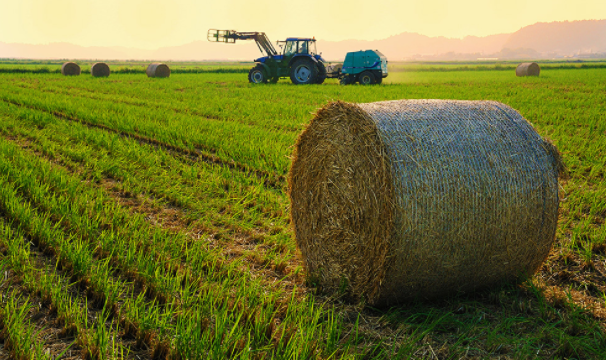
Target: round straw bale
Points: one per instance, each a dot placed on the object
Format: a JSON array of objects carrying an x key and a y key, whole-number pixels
[
  {"x": 414, "y": 199},
  {"x": 528, "y": 69},
  {"x": 158, "y": 70},
  {"x": 70, "y": 68},
  {"x": 99, "y": 70}
]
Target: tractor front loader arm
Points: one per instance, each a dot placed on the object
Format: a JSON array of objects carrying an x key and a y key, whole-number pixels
[{"x": 230, "y": 36}]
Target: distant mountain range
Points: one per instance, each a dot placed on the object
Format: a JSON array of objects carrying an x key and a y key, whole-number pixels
[{"x": 574, "y": 39}]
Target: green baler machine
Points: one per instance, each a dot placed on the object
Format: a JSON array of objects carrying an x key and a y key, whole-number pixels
[{"x": 365, "y": 66}]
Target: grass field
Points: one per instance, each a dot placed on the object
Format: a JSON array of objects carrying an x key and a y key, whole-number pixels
[{"x": 148, "y": 218}]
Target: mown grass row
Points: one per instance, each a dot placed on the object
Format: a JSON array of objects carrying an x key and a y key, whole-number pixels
[
  {"x": 244, "y": 204},
  {"x": 179, "y": 107},
  {"x": 19, "y": 335},
  {"x": 202, "y": 135},
  {"x": 75, "y": 257},
  {"x": 93, "y": 335}
]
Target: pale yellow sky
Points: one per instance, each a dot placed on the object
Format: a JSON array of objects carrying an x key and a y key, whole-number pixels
[{"x": 150, "y": 24}]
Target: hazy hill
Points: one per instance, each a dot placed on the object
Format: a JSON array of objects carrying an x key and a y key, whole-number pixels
[
  {"x": 407, "y": 45},
  {"x": 562, "y": 38},
  {"x": 541, "y": 40},
  {"x": 396, "y": 47}
]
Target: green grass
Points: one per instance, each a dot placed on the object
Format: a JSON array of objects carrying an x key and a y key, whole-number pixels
[{"x": 162, "y": 205}]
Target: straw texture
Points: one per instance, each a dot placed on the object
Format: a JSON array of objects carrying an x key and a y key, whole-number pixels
[
  {"x": 158, "y": 70},
  {"x": 528, "y": 69},
  {"x": 415, "y": 199},
  {"x": 99, "y": 70},
  {"x": 70, "y": 68}
]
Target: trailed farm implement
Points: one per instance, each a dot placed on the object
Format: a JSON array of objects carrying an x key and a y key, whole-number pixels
[{"x": 300, "y": 61}]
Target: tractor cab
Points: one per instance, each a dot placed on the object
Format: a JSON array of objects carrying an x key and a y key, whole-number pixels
[
  {"x": 297, "y": 47},
  {"x": 294, "y": 46},
  {"x": 291, "y": 48}
]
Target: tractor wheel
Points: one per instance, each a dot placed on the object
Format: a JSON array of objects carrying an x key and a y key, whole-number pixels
[
  {"x": 366, "y": 78},
  {"x": 303, "y": 71},
  {"x": 257, "y": 75},
  {"x": 274, "y": 80},
  {"x": 321, "y": 73}
]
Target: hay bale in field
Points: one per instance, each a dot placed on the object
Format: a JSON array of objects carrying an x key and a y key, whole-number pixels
[
  {"x": 528, "y": 69},
  {"x": 158, "y": 70},
  {"x": 70, "y": 68},
  {"x": 99, "y": 70},
  {"x": 407, "y": 199}
]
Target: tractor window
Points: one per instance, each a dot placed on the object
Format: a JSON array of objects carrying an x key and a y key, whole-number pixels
[
  {"x": 312, "y": 48},
  {"x": 302, "y": 47},
  {"x": 291, "y": 48}
]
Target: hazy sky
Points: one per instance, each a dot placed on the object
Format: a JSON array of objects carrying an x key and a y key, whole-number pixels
[{"x": 155, "y": 23}]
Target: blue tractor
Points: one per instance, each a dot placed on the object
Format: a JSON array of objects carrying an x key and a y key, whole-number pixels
[{"x": 299, "y": 59}]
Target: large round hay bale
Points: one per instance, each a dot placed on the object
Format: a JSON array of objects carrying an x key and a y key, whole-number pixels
[
  {"x": 70, "y": 68},
  {"x": 528, "y": 69},
  {"x": 413, "y": 199},
  {"x": 158, "y": 70},
  {"x": 99, "y": 69}
]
